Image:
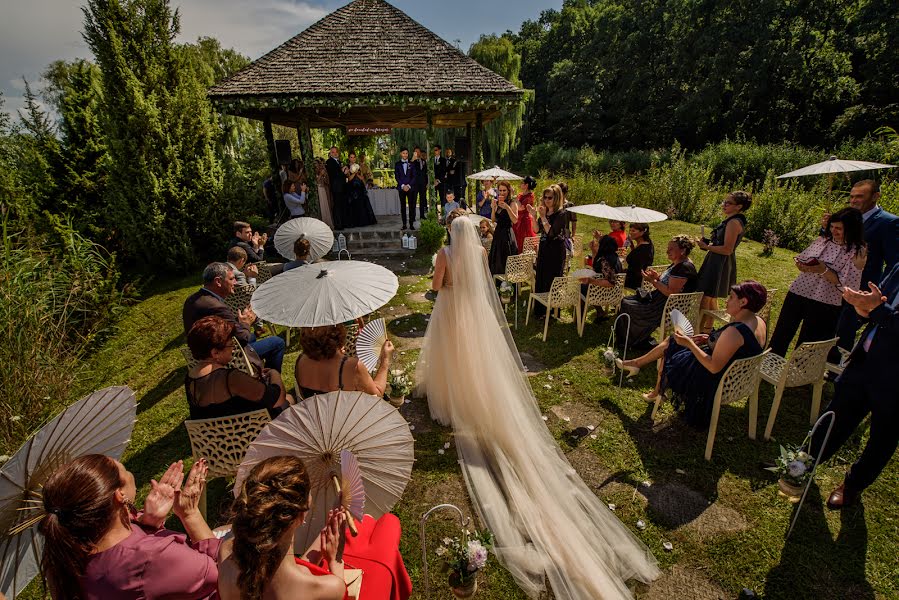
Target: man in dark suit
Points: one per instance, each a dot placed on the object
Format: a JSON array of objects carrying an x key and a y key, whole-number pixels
[
  {"x": 404, "y": 171},
  {"x": 252, "y": 243},
  {"x": 453, "y": 173},
  {"x": 882, "y": 238},
  {"x": 439, "y": 164},
  {"x": 337, "y": 181},
  {"x": 867, "y": 385},
  {"x": 218, "y": 284},
  {"x": 420, "y": 162}
]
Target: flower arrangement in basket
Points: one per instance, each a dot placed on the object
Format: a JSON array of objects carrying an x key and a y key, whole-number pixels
[
  {"x": 608, "y": 355},
  {"x": 463, "y": 558},
  {"x": 398, "y": 385},
  {"x": 794, "y": 467},
  {"x": 506, "y": 290}
]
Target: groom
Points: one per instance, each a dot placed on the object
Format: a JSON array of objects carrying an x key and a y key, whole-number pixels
[{"x": 404, "y": 171}]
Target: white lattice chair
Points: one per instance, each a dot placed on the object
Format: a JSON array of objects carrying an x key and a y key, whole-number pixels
[
  {"x": 239, "y": 359},
  {"x": 741, "y": 380},
  {"x": 646, "y": 285},
  {"x": 519, "y": 271},
  {"x": 837, "y": 368},
  {"x": 764, "y": 313},
  {"x": 564, "y": 292},
  {"x": 804, "y": 367},
  {"x": 240, "y": 299},
  {"x": 223, "y": 442},
  {"x": 600, "y": 296},
  {"x": 264, "y": 274},
  {"x": 688, "y": 304},
  {"x": 531, "y": 245}
]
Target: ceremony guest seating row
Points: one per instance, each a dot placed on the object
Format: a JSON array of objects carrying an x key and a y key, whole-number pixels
[
  {"x": 564, "y": 292},
  {"x": 689, "y": 304}
]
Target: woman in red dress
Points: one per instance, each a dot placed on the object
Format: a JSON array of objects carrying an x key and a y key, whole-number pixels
[
  {"x": 524, "y": 227},
  {"x": 260, "y": 558}
]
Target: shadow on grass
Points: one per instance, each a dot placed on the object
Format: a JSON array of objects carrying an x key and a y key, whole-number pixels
[
  {"x": 155, "y": 458},
  {"x": 168, "y": 385},
  {"x": 817, "y": 565}
]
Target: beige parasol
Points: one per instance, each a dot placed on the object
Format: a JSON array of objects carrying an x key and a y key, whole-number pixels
[
  {"x": 98, "y": 424},
  {"x": 320, "y": 237},
  {"x": 317, "y": 430}
]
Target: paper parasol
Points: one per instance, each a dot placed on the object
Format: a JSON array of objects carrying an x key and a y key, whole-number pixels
[
  {"x": 320, "y": 237},
  {"x": 681, "y": 323},
  {"x": 601, "y": 211},
  {"x": 327, "y": 293},
  {"x": 495, "y": 174},
  {"x": 317, "y": 430},
  {"x": 834, "y": 165},
  {"x": 369, "y": 342},
  {"x": 637, "y": 214},
  {"x": 98, "y": 424}
]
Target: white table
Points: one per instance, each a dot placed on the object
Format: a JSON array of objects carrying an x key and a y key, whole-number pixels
[{"x": 385, "y": 201}]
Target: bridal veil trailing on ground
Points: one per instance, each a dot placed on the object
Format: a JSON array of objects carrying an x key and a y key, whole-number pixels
[{"x": 547, "y": 522}]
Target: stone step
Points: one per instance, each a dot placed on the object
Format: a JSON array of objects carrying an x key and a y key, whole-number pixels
[{"x": 376, "y": 252}]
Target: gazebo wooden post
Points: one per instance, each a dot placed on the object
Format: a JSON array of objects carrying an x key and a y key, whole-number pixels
[
  {"x": 478, "y": 150},
  {"x": 471, "y": 192},
  {"x": 430, "y": 141},
  {"x": 273, "y": 164},
  {"x": 305, "y": 137}
]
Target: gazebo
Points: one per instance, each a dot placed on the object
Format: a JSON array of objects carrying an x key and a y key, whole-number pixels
[{"x": 365, "y": 65}]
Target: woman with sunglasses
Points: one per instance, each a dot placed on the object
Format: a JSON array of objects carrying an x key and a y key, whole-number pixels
[
  {"x": 718, "y": 272},
  {"x": 551, "y": 221}
]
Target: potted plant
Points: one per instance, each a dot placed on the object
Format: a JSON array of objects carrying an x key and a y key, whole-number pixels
[
  {"x": 463, "y": 558},
  {"x": 608, "y": 354},
  {"x": 398, "y": 385},
  {"x": 794, "y": 467}
]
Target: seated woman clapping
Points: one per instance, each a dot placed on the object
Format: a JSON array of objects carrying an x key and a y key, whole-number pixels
[
  {"x": 324, "y": 367},
  {"x": 98, "y": 547},
  {"x": 261, "y": 562},
  {"x": 607, "y": 265},
  {"x": 693, "y": 366},
  {"x": 216, "y": 390}
]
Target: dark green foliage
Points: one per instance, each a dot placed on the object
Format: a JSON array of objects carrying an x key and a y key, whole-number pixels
[{"x": 430, "y": 236}]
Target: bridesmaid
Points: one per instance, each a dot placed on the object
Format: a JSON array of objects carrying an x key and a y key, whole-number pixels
[
  {"x": 524, "y": 227},
  {"x": 504, "y": 213}
]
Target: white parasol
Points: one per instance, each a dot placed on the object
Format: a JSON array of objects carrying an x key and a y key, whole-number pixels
[
  {"x": 636, "y": 214},
  {"x": 324, "y": 294},
  {"x": 495, "y": 174},
  {"x": 98, "y": 424},
  {"x": 834, "y": 165},
  {"x": 320, "y": 237},
  {"x": 317, "y": 430},
  {"x": 601, "y": 211}
]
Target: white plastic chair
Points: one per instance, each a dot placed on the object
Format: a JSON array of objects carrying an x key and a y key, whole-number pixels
[
  {"x": 519, "y": 271},
  {"x": 564, "y": 292},
  {"x": 764, "y": 313},
  {"x": 600, "y": 296},
  {"x": 531, "y": 245},
  {"x": 741, "y": 380},
  {"x": 689, "y": 304},
  {"x": 239, "y": 359},
  {"x": 804, "y": 367}
]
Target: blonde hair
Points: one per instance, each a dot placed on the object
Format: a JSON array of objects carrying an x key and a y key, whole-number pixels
[{"x": 558, "y": 196}]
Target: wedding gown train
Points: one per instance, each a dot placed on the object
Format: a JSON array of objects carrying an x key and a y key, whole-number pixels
[{"x": 546, "y": 521}]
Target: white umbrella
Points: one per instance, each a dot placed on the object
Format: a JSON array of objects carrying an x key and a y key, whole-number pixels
[
  {"x": 495, "y": 174},
  {"x": 98, "y": 424},
  {"x": 834, "y": 165},
  {"x": 324, "y": 293},
  {"x": 320, "y": 237},
  {"x": 636, "y": 214},
  {"x": 601, "y": 211},
  {"x": 316, "y": 431}
]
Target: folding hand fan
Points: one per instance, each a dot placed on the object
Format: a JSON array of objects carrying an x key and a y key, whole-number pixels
[
  {"x": 352, "y": 492},
  {"x": 681, "y": 323},
  {"x": 369, "y": 342}
]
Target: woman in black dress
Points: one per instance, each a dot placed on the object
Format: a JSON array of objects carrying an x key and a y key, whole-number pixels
[
  {"x": 718, "y": 272},
  {"x": 358, "y": 204},
  {"x": 640, "y": 257},
  {"x": 607, "y": 265},
  {"x": 551, "y": 220},
  {"x": 504, "y": 213}
]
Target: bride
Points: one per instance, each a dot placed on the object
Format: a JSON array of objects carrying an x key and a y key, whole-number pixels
[{"x": 546, "y": 521}]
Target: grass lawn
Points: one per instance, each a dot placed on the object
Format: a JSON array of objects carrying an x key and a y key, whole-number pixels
[{"x": 724, "y": 517}]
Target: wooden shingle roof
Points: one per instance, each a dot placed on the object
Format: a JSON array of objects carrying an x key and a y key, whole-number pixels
[{"x": 366, "y": 47}]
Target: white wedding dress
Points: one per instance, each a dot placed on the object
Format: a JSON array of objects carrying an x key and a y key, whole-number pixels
[{"x": 545, "y": 519}]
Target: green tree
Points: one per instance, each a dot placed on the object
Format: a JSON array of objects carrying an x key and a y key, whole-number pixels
[{"x": 37, "y": 154}]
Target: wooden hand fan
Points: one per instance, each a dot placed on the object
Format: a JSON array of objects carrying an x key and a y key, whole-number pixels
[
  {"x": 350, "y": 489},
  {"x": 369, "y": 342}
]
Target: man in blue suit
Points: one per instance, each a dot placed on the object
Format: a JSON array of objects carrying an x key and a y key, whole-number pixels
[
  {"x": 867, "y": 385},
  {"x": 404, "y": 171},
  {"x": 882, "y": 238}
]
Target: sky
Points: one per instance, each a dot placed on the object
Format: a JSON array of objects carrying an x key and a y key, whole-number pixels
[{"x": 34, "y": 33}]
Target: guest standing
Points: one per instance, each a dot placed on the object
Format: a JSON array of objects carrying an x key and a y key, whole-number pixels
[
  {"x": 420, "y": 163},
  {"x": 485, "y": 232},
  {"x": 404, "y": 172},
  {"x": 97, "y": 546},
  {"x": 646, "y": 310},
  {"x": 358, "y": 204},
  {"x": 550, "y": 219},
  {"x": 453, "y": 173},
  {"x": 323, "y": 184},
  {"x": 718, "y": 272},
  {"x": 484, "y": 199},
  {"x": 882, "y": 239},
  {"x": 337, "y": 183},
  {"x": 439, "y": 174},
  {"x": 295, "y": 202},
  {"x": 640, "y": 257},
  {"x": 524, "y": 226},
  {"x": 504, "y": 213}
]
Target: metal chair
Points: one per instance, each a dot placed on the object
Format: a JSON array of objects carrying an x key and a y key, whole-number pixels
[
  {"x": 519, "y": 270},
  {"x": 565, "y": 291},
  {"x": 223, "y": 442},
  {"x": 600, "y": 296},
  {"x": 804, "y": 367},
  {"x": 741, "y": 380}
]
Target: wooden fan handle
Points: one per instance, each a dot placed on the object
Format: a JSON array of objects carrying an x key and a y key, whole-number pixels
[{"x": 350, "y": 522}]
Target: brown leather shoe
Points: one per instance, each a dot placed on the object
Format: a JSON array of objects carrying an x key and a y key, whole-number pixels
[{"x": 841, "y": 497}]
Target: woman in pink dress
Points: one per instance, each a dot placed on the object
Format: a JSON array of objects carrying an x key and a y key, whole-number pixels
[
  {"x": 524, "y": 226},
  {"x": 97, "y": 546}
]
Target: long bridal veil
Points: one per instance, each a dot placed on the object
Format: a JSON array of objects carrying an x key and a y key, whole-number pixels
[{"x": 545, "y": 519}]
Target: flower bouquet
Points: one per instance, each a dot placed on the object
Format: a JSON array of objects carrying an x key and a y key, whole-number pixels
[
  {"x": 398, "y": 385},
  {"x": 463, "y": 558},
  {"x": 794, "y": 467},
  {"x": 506, "y": 290},
  {"x": 608, "y": 355}
]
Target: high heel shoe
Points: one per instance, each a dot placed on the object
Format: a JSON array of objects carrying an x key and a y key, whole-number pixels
[{"x": 630, "y": 370}]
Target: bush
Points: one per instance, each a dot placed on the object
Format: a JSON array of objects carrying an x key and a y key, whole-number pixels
[
  {"x": 430, "y": 236},
  {"x": 787, "y": 211},
  {"x": 746, "y": 164},
  {"x": 681, "y": 189}
]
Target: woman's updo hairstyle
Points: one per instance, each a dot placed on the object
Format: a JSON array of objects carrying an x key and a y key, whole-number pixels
[
  {"x": 530, "y": 182},
  {"x": 275, "y": 494},
  {"x": 322, "y": 343},
  {"x": 743, "y": 199},
  {"x": 684, "y": 242},
  {"x": 301, "y": 248}
]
